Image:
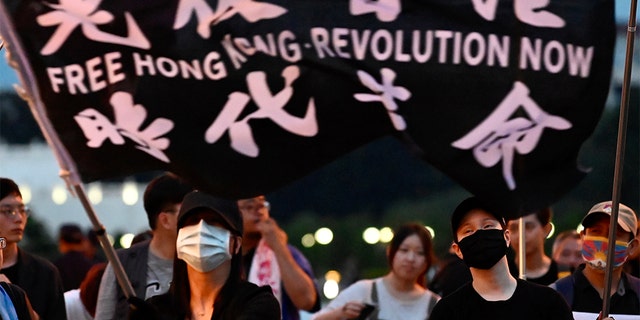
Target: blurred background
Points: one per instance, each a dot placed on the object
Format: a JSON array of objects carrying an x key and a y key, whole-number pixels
[{"x": 340, "y": 216}]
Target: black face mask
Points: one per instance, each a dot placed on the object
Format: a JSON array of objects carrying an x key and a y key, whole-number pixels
[{"x": 484, "y": 248}]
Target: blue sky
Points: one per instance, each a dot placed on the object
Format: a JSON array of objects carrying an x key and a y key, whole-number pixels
[{"x": 8, "y": 75}]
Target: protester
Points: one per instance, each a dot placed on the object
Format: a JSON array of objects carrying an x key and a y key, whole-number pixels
[
  {"x": 270, "y": 260},
  {"x": 81, "y": 302},
  {"x": 481, "y": 240},
  {"x": 148, "y": 264},
  {"x": 567, "y": 252},
  {"x": 401, "y": 293},
  {"x": 583, "y": 290},
  {"x": 14, "y": 303},
  {"x": 38, "y": 277},
  {"x": 207, "y": 282},
  {"x": 73, "y": 265},
  {"x": 539, "y": 267}
]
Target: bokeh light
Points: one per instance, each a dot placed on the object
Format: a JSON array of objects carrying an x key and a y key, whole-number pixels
[
  {"x": 324, "y": 236},
  {"x": 130, "y": 193},
  {"x": 371, "y": 235},
  {"x": 59, "y": 195},
  {"x": 308, "y": 241},
  {"x": 386, "y": 235}
]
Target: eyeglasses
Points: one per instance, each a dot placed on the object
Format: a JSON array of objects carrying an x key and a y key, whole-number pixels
[
  {"x": 3, "y": 243},
  {"x": 256, "y": 206},
  {"x": 9, "y": 211}
]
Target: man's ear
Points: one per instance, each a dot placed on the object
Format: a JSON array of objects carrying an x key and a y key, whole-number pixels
[
  {"x": 163, "y": 220},
  {"x": 633, "y": 250},
  {"x": 456, "y": 250},
  {"x": 547, "y": 229},
  {"x": 507, "y": 236}
]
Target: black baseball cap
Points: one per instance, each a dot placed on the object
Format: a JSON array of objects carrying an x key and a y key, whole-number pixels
[
  {"x": 465, "y": 207},
  {"x": 227, "y": 209}
]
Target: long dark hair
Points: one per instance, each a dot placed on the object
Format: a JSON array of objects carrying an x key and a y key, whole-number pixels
[
  {"x": 181, "y": 290},
  {"x": 403, "y": 232}
]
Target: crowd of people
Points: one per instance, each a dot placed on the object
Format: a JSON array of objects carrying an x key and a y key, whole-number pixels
[{"x": 206, "y": 257}]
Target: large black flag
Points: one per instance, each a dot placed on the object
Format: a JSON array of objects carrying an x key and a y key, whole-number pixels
[{"x": 244, "y": 96}]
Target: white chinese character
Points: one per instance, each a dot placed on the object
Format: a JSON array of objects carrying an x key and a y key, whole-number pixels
[
  {"x": 250, "y": 10},
  {"x": 70, "y": 14},
  {"x": 527, "y": 11},
  {"x": 385, "y": 10},
  {"x": 270, "y": 106},
  {"x": 128, "y": 118},
  {"x": 500, "y": 135},
  {"x": 386, "y": 93}
]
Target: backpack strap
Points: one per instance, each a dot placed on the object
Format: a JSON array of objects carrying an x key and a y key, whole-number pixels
[
  {"x": 565, "y": 287},
  {"x": 374, "y": 299},
  {"x": 432, "y": 303}
]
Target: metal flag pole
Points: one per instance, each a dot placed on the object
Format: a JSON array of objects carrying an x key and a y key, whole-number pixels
[
  {"x": 620, "y": 148},
  {"x": 29, "y": 92}
]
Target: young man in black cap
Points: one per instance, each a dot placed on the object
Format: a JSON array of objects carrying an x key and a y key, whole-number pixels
[{"x": 481, "y": 240}]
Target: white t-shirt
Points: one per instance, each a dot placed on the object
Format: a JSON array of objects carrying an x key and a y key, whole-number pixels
[
  {"x": 74, "y": 306},
  {"x": 389, "y": 307}
]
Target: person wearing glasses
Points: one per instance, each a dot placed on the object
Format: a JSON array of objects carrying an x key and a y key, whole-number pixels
[
  {"x": 38, "y": 277},
  {"x": 270, "y": 260},
  {"x": 14, "y": 303}
]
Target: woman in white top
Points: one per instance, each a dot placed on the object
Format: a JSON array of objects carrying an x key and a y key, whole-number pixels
[{"x": 400, "y": 294}]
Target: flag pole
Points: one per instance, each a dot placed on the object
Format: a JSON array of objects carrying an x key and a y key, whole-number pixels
[
  {"x": 29, "y": 92},
  {"x": 522, "y": 257},
  {"x": 620, "y": 149}
]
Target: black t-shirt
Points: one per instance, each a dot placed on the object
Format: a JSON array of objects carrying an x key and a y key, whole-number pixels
[
  {"x": 530, "y": 301},
  {"x": 548, "y": 278},
  {"x": 11, "y": 272},
  {"x": 247, "y": 303}
]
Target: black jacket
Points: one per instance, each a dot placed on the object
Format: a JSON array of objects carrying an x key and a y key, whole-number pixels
[
  {"x": 40, "y": 279},
  {"x": 249, "y": 302}
]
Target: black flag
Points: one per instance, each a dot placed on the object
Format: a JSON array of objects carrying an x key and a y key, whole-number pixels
[{"x": 499, "y": 95}]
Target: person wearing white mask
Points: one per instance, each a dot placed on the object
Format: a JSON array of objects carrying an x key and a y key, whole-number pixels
[{"x": 207, "y": 278}]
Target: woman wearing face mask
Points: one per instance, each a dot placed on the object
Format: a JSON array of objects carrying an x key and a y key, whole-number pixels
[
  {"x": 402, "y": 293},
  {"x": 481, "y": 240},
  {"x": 207, "y": 280}
]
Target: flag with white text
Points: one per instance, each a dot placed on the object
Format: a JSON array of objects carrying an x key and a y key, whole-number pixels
[{"x": 241, "y": 97}]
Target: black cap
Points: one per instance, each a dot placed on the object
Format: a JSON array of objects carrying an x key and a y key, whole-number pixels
[
  {"x": 465, "y": 207},
  {"x": 227, "y": 209}
]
